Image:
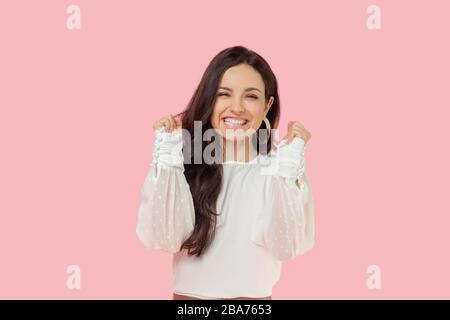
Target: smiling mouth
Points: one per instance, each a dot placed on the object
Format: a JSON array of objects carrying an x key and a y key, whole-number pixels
[{"x": 234, "y": 123}]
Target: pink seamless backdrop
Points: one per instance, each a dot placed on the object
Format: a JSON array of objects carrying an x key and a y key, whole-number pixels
[{"x": 76, "y": 109}]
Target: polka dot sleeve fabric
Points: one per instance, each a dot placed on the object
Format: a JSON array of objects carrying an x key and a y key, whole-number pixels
[
  {"x": 287, "y": 229},
  {"x": 166, "y": 213}
]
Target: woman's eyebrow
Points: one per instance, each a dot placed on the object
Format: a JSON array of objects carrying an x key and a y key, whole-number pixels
[{"x": 247, "y": 89}]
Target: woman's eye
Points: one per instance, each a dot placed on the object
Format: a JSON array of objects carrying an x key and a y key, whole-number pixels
[{"x": 226, "y": 94}]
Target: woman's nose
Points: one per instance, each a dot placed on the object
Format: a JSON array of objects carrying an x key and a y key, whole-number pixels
[{"x": 238, "y": 108}]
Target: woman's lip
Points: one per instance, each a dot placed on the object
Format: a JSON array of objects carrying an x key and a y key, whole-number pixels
[
  {"x": 235, "y": 118},
  {"x": 233, "y": 126}
]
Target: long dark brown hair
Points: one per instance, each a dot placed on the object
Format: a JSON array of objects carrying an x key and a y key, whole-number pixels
[{"x": 205, "y": 180}]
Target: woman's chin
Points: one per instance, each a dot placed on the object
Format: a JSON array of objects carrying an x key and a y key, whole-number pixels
[{"x": 234, "y": 135}]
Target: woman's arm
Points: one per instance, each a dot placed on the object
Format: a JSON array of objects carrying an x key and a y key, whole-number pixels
[
  {"x": 166, "y": 213},
  {"x": 287, "y": 229}
]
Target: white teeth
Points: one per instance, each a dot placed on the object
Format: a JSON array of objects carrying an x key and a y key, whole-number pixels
[{"x": 234, "y": 121}]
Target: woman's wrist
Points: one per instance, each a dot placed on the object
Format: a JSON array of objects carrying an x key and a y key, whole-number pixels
[
  {"x": 167, "y": 149},
  {"x": 291, "y": 160}
]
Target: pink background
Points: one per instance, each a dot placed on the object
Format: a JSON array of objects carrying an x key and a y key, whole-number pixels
[{"x": 75, "y": 135}]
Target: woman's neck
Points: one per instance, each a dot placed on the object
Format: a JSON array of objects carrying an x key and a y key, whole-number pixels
[{"x": 238, "y": 150}]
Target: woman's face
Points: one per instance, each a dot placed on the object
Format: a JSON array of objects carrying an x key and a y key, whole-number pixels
[{"x": 240, "y": 102}]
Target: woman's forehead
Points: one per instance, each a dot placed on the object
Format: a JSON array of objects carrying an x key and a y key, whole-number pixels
[{"x": 241, "y": 77}]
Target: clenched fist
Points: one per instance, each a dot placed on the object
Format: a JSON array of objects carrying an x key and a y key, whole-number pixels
[
  {"x": 169, "y": 123},
  {"x": 296, "y": 129}
]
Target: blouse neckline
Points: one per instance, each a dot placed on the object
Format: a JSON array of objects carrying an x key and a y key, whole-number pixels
[{"x": 254, "y": 160}]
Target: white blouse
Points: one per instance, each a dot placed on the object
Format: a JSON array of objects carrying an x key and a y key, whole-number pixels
[{"x": 264, "y": 219}]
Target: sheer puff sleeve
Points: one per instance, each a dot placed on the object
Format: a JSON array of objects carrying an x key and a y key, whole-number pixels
[
  {"x": 287, "y": 229},
  {"x": 166, "y": 214}
]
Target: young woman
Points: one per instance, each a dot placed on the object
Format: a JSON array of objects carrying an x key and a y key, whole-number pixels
[{"x": 229, "y": 223}]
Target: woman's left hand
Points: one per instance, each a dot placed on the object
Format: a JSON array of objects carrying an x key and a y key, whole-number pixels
[{"x": 296, "y": 129}]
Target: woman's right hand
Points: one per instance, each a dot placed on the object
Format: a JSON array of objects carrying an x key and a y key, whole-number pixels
[{"x": 169, "y": 123}]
